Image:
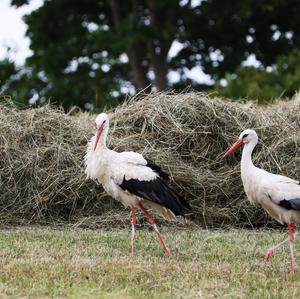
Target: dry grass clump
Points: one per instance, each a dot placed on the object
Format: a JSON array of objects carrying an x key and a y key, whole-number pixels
[
  {"x": 41, "y": 168},
  {"x": 42, "y": 174}
]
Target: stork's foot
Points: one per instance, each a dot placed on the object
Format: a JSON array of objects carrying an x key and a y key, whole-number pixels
[
  {"x": 269, "y": 254},
  {"x": 162, "y": 240},
  {"x": 167, "y": 251}
]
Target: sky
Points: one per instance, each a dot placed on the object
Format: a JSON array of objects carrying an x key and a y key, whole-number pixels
[{"x": 13, "y": 29}]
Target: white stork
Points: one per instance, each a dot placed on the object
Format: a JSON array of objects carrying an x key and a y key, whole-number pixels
[
  {"x": 277, "y": 194},
  {"x": 131, "y": 179}
]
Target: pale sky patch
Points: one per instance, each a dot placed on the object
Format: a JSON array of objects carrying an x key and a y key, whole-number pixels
[{"x": 12, "y": 30}]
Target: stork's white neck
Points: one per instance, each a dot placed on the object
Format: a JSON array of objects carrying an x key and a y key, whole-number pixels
[
  {"x": 102, "y": 140},
  {"x": 246, "y": 162}
]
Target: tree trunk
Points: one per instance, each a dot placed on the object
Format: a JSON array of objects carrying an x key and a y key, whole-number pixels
[
  {"x": 158, "y": 50},
  {"x": 139, "y": 72},
  {"x": 135, "y": 53},
  {"x": 159, "y": 62}
]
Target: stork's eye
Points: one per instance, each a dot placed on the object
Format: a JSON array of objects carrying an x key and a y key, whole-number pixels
[
  {"x": 104, "y": 122},
  {"x": 245, "y": 135}
]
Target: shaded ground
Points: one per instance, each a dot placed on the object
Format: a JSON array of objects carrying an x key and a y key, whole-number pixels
[{"x": 43, "y": 262}]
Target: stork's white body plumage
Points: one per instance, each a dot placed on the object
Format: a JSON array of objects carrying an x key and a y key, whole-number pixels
[
  {"x": 268, "y": 189},
  {"x": 277, "y": 194},
  {"x": 109, "y": 168},
  {"x": 131, "y": 179}
]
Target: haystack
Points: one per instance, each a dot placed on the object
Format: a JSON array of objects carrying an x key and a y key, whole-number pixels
[{"x": 42, "y": 176}]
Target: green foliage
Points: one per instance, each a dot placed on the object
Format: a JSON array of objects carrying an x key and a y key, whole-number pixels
[
  {"x": 262, "y": 85},
  {"x": 14, "y": 82},
  {"x": 94, "y": 52},
  {"x": 79, "y": 48},
  {"x": 7, "y": 69}
]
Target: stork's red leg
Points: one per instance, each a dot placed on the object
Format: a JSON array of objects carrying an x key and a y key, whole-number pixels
[
  {"x": 272, "y": 249},
  {"x": 292, "y": 229},
  {"x": 133, "y": 223},
  {"x": 153, "y": 223}
]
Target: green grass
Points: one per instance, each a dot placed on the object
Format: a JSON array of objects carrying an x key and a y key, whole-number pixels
[{"x": 43, "y": 262}]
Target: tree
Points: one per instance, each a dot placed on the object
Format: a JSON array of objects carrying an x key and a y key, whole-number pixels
[
  {"x": 283, "y": 79},
  {"x": 227, "y": 32},
  {"x": 84, "y": 50},
  {"x": 92, "y": 52}
]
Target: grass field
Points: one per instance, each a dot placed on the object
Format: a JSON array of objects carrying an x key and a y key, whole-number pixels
[{"x": 43, "y": 262}]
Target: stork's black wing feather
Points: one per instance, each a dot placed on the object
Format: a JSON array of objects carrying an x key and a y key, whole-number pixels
[
  {"x": 157, "y": 191},
  {"x": 291, "y": 204},
  {"x": 157, "y": 169}
]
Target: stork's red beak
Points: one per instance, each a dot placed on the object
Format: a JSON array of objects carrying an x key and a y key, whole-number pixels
[
  {"x": 234, "y": 147},
  {"x": 98, "y": 135}
]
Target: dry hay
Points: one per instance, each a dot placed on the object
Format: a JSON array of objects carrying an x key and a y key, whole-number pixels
[{"x": 42, "y": 174}]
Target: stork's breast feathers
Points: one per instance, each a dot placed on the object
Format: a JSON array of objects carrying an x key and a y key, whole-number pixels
[{"x": 92, "y": 165}]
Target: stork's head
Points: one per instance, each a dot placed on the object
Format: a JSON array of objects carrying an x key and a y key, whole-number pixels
[
  {"x": 102, "y": 123},
  {"x": 247, "y": 136}
]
